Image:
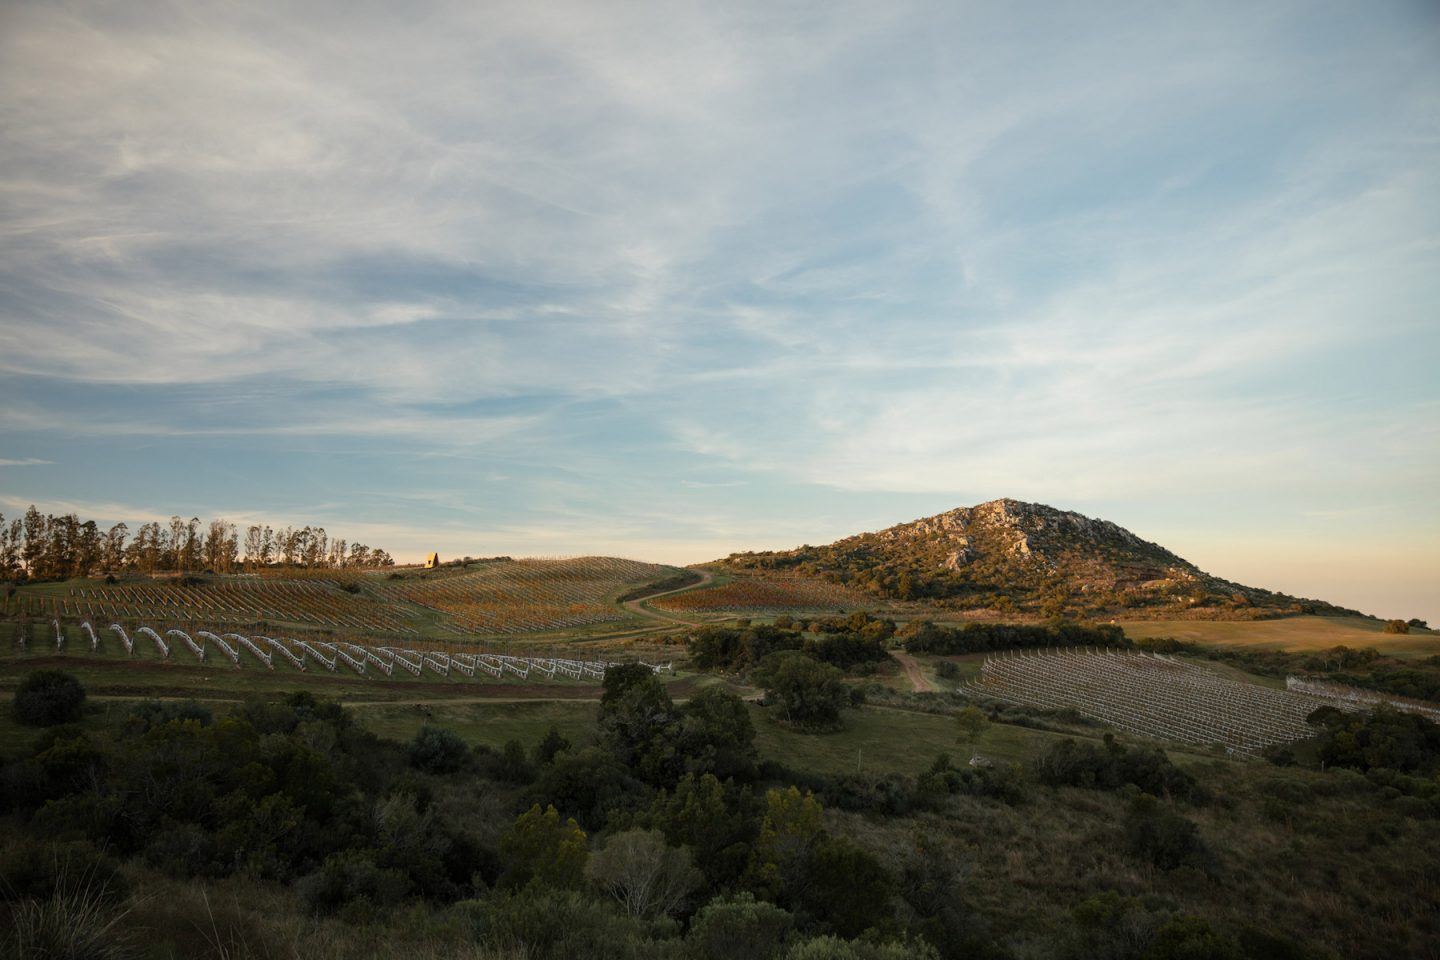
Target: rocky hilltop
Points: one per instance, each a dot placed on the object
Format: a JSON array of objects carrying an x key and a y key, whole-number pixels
[{"x": 1009, "y": 555}]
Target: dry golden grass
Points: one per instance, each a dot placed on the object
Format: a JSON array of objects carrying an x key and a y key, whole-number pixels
[{"x": 1292, "y": 633}]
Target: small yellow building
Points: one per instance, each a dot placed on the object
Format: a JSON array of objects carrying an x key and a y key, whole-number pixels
[{"x": 432, "y": 561}]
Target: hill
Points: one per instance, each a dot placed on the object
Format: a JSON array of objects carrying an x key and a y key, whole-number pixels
[{"x": 1011, "y": 556}]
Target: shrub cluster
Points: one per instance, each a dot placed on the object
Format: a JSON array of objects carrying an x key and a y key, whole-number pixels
[
  {"x": 847, "y": 643},
  {"x": 48, "y": 697},
  {"x": 921, "y": 636}
]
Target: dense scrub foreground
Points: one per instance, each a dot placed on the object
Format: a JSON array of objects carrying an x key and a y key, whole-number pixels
[{"x": 286, "y": 829}]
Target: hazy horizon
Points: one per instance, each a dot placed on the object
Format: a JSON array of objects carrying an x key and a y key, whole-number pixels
[{"x": 671, "y": 282}]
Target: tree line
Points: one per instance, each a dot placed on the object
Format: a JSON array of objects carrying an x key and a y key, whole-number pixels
[{"x": 41, "y": 546}]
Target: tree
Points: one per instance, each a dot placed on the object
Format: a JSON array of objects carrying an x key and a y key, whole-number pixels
[
  {"x": 1397, "y": 626},
  {"x": 550, "y": 745},
  {"x": 10, "y": 540},
  {"x": 811, "y": 694},
  {"x": 113, "y": 552},
  {"x": 738, "y": 928},
  {"x": 637, "y": 722},
  {"x": 847, "y": 887},
  {"x": 791, "y": 828},
  {"x": 644, "y": 875},
  {"x": 31, "y": 554},
  {"x": 589, "y": 785},
  {"x": 47, "y": 697},
  {"x": 437, "y": 750},
  {"x": 540, "y": 848},
  {"x": 715, "y": 735},
  {"x": 88, "y": 549},
  {"x": 972, "y": 722},
  {"x": 718, "y": 821}
]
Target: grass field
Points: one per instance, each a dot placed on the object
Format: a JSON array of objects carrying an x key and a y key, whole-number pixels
[
  {"x": 875, "y": 739},
  {"x": 1292, "y": 633},
  {"x": 492, "y": 723}
]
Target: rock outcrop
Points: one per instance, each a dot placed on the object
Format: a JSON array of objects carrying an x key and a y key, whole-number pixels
[{"x": 1009, "y": 554}]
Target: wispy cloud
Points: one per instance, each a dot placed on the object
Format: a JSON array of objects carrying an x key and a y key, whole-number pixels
[
  {"x": 660, "y": 275},
  {"x": 24, "y": 462}
]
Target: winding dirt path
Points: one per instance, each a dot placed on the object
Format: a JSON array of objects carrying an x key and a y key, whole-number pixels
[
  {"x": 638, "y": 607},
  {"x": 912, "y": 670}
]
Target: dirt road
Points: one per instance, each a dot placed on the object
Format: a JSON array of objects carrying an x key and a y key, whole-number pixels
[
  {"x": 912, "y": 670},
  {"x": 636, "y": 606}
]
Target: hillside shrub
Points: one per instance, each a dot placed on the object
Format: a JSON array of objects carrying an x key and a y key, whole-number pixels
[
  {"x": 437, "y": 750},
  {"x": 351, "y": 877},
  {"x": 1002, "y": 781},
  {"x": 926, "y": 637},
  {"x": 1159, "y": 835},
  {"x": 540, "y": 923},
  {"x": 718, "y": 821},
  {"x": 590, "y": 785},
  {"x": 1383, "y": 738},
  {"x": 738, "y": 927},
  {"x": 45, "y": 698},
  {"x": 1111, "y": 766},
  {"x": 834, "y": 948},
  {"x": 542, "y": 848},
  {"x": 551, "y": 745}
]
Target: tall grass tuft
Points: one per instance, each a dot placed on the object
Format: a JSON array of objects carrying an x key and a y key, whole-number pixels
[{"x": 69, "y": 926}]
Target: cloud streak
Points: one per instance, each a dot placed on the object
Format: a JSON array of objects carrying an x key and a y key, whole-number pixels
[{"x": 648, "y": 276}]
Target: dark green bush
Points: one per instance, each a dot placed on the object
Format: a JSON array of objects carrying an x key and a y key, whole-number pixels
[
  {"x": 47, "y": 697},
  {"x": 1112, "y": 765},
  {"x": 351, "y": 877},
  {"x": 926, "y": 637},
  {"x": 1161, "y": 836},
  {"x": 808, "y": 694},
  {"x": 738, "y": 928},
  {"x": 437, "y": 750}
]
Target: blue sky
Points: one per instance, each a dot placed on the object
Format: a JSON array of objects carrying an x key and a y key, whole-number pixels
[{"x": 672, "y": 280}]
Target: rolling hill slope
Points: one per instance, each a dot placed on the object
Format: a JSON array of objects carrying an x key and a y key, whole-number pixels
[{"x": 1012, "y": 556}]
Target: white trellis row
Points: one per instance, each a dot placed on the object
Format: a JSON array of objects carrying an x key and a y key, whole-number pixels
[
  {"x": 225, "y": 648},
  {"x": 250, "y": 645},
  {"x": 159, "y": 641},
  {"x": 359, "y": 657},
  {"x": 195, "y": 648},
  {"x": 277, "y": 647},
  {"x": 124, "y": 638}
]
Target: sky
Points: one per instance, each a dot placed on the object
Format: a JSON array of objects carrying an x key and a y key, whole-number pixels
[{"x": 673, "y": 280}]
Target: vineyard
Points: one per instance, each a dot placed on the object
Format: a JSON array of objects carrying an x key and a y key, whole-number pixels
[
  {"x": 1150, "y": 695},
  {"x": 365, "y": 660},
  {"x": 489, "y": 598},
  {"x": 318, "y": 603},
  {"x": 765, "y": 595},
  {"x": 519, "y": 596}
]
